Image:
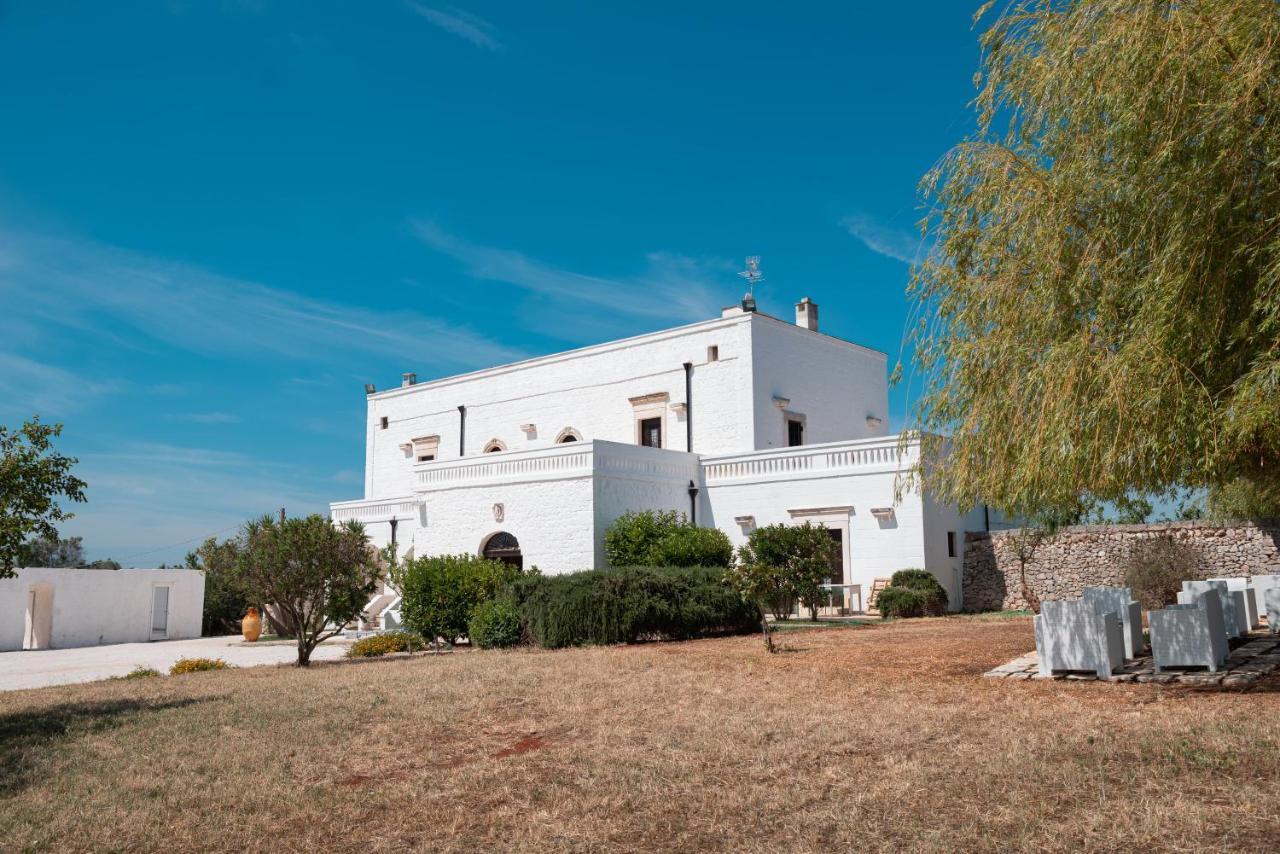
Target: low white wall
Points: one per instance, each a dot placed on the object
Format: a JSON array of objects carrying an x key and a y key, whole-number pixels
[{"x": 100, "y": 606}]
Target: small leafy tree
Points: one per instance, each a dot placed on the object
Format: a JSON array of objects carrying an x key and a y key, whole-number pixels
[
  {"x": 759, "y": 583},
  {"x": 33, "y": 476},
  {"x": 316, "y": 575},
  {"x": 802, "y": 555},
  {"x": 225, "y": 601},
  {"x": 439, "y": 593}
]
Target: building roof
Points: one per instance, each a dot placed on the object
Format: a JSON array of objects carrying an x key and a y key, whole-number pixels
[{"x": 727, "y": 319}]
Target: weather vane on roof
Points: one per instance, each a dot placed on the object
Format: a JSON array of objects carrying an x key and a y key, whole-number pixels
[{"x": 753, "y": 276}]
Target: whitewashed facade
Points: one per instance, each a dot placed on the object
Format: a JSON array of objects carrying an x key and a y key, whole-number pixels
[
  {"x": 43, "y": 608},
  {"x": 743, "y": 420}
]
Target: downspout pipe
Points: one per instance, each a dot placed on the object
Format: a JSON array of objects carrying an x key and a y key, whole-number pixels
[
  {"x": 688, "y": 406},
  {"x": 462, "y": 431}
]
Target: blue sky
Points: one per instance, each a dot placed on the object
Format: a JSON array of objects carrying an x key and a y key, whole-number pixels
[{"x": 219, "y": 219}]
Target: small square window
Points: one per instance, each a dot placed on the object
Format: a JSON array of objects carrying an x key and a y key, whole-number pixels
[
  {"x": 951, "y": 543},
  {"x": 713, "y": 353},
  {"x": 651, "y": 432},
  {"x": 384, "y": 422}
]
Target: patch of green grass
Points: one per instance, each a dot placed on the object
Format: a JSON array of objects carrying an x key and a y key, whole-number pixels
[
  {"x": 140, "y": 673},
  {"x": 803, "y": 624},
  {"x": 991, "y": 615}
]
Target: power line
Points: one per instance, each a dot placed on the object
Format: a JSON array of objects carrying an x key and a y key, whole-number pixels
[{"x": 137, "y": 555}]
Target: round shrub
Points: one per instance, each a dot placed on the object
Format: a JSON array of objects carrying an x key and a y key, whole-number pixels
[
  {"x": 495, "y": 625},
  {"x": 385, "y": 644},
  {"x": 925, "y": 582},
  {"x": 692, "y": 546},
  {"x": 902, "y": 602},
  {"x": 196, "y": 665}
]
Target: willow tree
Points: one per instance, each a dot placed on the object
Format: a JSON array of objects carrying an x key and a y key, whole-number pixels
[{"x": 1100, "y": 313}]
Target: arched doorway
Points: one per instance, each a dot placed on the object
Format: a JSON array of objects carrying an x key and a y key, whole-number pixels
[
  {"x": 39, "y": 628},
  {"x": 504, "y": 547}
]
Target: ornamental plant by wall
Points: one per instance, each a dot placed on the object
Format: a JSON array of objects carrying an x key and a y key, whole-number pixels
[
  {"x": 440, "y": 593},
  {"x": 667, "y": 538},
  {"x": 631, "y": 604}
]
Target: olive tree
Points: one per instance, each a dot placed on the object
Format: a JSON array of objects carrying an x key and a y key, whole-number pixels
[
  {"x": 1099, "y": 315},
  {"x": 314, "y": 575},
  {"x": 33, "y": 477}
]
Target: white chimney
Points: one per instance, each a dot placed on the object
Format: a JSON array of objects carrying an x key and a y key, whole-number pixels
[
  {"x": 407, "y": 379},
  {"x": 807, "y": 314}
]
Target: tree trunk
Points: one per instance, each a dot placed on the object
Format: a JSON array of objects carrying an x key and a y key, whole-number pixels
[
  {"x": 768, "y": 632},
  {"x": 1029, "y": 595}
]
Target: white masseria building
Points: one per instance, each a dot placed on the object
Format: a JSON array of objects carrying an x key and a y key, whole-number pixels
[{"x": 740, "y": 421}]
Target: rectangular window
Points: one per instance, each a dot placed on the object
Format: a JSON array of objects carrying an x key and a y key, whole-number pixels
[
  {"x": 795, "y": 433},
  {"x": 951, "y": 543},
  {"x": 384, "y": 422},
  {"x": 713, "y": 353},
  {"x": 651, "y": 432}
]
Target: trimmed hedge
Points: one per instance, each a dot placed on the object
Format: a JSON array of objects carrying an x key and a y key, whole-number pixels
[{"x": 630, "y": 604}]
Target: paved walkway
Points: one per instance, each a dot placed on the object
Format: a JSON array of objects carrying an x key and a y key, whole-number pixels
[{"x": 39, "y": 668}]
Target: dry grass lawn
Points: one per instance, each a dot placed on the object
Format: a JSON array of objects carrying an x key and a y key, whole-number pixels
[{"x": 874, "y": 738}]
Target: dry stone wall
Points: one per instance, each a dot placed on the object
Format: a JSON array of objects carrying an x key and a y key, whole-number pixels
[{"x": 1090, "y": 555}]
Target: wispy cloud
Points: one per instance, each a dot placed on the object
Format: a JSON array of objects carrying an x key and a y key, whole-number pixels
[
  {"x": 132, "y": 299},
  {"x": 883, "y": 240},
  {"x": 28, "y": 386},
  {"x": 462, "y": 24},
  {"x": 151, "y": 502},
  {"x": 670, "y": 287},
  {"x": 207, "y": 418}
]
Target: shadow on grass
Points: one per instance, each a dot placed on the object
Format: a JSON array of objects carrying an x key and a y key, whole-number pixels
[{"x": 27, "y": 737}]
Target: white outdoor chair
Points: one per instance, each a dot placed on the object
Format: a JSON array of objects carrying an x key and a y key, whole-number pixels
[
  {"x": 1120, "y": 601},
  {"x": 1261, "y": 584},
  {"x": 1243, "y": 585},
  {"x": 1271, "y": 602},
  {"x": 1189, "y": 635},
  {"x": 1074, "y": 636},
  {"x": 1234, "y": 617}
]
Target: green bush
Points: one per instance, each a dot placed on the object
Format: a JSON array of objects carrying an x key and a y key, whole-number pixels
[
  {"x": 196, "y": 665},
  {"x": 692, "y": 546},
  {"x": 913, "y": 593},
  {"x": 385, "y": 644},
  {"x": 902, "y": 602},
  {"x": 495, "y": 625},
  {"x": 630, "y": 604},
  {"x": 439, "y": 594},
  {"x": 664, "y": 538}
]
